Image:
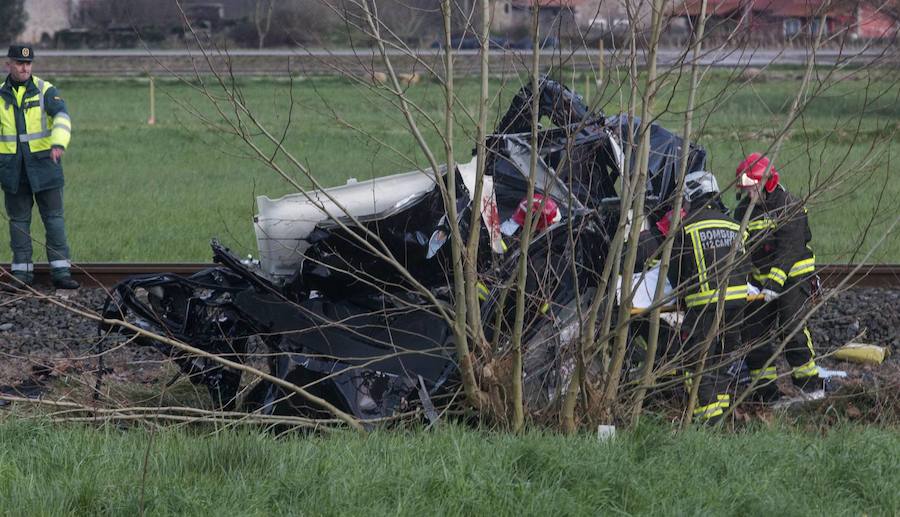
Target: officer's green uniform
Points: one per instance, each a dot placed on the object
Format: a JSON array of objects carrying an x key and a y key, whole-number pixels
[{"x": 33, "y": 120}]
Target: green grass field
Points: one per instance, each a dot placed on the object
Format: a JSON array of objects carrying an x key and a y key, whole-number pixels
[
  {"x": 71, "y": 470},
  {"x": 159, "y": 193}
]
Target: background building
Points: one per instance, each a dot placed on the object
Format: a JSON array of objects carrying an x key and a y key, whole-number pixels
[
  {"x": 768, "y": 20},
  {"x": 46, "y": 17}
]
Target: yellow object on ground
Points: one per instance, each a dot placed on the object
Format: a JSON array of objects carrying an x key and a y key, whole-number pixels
[{"x": 861, "y": 353}]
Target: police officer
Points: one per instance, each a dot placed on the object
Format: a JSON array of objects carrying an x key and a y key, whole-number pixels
[
  {"x": 34, "y": 132},
  {"x": 698, "y": 271},
  {"x": 783, "y": 264}
]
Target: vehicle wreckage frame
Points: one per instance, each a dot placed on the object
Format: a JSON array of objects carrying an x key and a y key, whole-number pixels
[{"x": 338, "y": 319}]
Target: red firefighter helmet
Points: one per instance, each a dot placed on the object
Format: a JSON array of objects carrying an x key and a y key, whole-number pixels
[
  {"x": 665, "y": 224},
  {"x": 750, "y": 172},
  {"x": 549, "y": 214}
]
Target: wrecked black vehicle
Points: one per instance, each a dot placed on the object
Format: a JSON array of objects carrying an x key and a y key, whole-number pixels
[{"x": 352, "y": 284}]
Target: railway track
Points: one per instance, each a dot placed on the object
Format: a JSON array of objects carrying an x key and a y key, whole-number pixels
[
  {"x": 361, "y": 62},
  {"x": 108, "y": 274}
]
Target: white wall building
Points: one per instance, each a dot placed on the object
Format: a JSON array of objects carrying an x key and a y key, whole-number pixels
[
  {"x": 611, "y": 15},
  {"x": 45, "y": 17}
]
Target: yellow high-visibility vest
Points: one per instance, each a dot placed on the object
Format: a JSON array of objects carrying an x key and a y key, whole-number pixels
[{"x": 41, "y": 131}]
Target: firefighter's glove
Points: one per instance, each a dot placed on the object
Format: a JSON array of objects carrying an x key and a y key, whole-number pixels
[{"x": 770, "y": 295}]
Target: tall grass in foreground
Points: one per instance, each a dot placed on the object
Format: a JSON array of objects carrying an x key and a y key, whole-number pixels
[
  {"x": 53, "y": 470},
  {"x": 159, "y": 193}
]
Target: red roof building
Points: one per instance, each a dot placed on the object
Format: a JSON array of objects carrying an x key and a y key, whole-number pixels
[
  {"x": 789, "y": 18},
  {"x": 572, "y": 4}
]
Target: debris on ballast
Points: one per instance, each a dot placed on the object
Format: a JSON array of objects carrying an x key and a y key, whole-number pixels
[{"x": 861, "y": 353}]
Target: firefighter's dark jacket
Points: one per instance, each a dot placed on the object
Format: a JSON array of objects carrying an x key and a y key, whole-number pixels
[
  {"x": 699, "y": 259},
  {"x": 778, "y": 240}
]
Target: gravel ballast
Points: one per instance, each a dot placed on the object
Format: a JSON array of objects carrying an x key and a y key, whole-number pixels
[{"x": 34, "y": 330}]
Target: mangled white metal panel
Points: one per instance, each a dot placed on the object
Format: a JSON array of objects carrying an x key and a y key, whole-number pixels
[{"x": 282, "y": 225}]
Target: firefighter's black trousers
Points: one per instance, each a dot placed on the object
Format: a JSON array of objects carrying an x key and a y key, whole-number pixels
[
  {"x": 713, "y": 397},
  {"x": 767, "y": 325}
]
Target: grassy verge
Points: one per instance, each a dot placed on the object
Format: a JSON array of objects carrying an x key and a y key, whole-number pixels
[
  {"x": 49, "y": 470},
  {"x": 156, "y": 193}
]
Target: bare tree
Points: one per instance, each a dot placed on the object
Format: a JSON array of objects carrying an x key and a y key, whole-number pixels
[
  {"x": 262, "y": 18},
  {"x": 13, "y": 12}
]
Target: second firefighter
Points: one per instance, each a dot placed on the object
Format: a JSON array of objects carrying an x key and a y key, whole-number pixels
[{"x": 783, "y": 267}]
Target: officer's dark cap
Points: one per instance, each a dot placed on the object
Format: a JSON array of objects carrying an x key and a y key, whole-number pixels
[{"x": 20, "y": 53}]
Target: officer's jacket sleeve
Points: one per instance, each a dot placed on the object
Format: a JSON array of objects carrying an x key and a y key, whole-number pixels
[{"x": 61, "y": 124}]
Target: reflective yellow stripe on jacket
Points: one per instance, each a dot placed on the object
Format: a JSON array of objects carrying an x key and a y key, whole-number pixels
[
  {"x": 764, "y": 374},
  {"x": 761, "y": 224},
  {"x": 703, "y": 225},
  {"x": 803, "y": 267},
  {"x": 737, "y": 292},
  {"x": 483, "y": 291},
  {"x": 775, "y": 274},
  {"x": 8, "y": 135},
  {"x": 715, "y": 409}
]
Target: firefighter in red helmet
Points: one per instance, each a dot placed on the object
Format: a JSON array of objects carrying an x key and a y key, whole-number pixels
[
  {"x": 546, "y": 208},
  {"x": 783, "y": 270}
]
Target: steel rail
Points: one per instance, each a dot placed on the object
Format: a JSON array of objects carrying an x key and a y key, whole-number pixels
[
  {"x": 861, "y": 275},
  {"x": 108, "y": 274},
  {"x": 103, "y": 274}
]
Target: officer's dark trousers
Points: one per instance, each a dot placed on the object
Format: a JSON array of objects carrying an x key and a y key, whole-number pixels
[
  {"x": 713, "y": 397},
  {"x": 767, "y": 325},
  {"x": 50, "y": 204}
]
